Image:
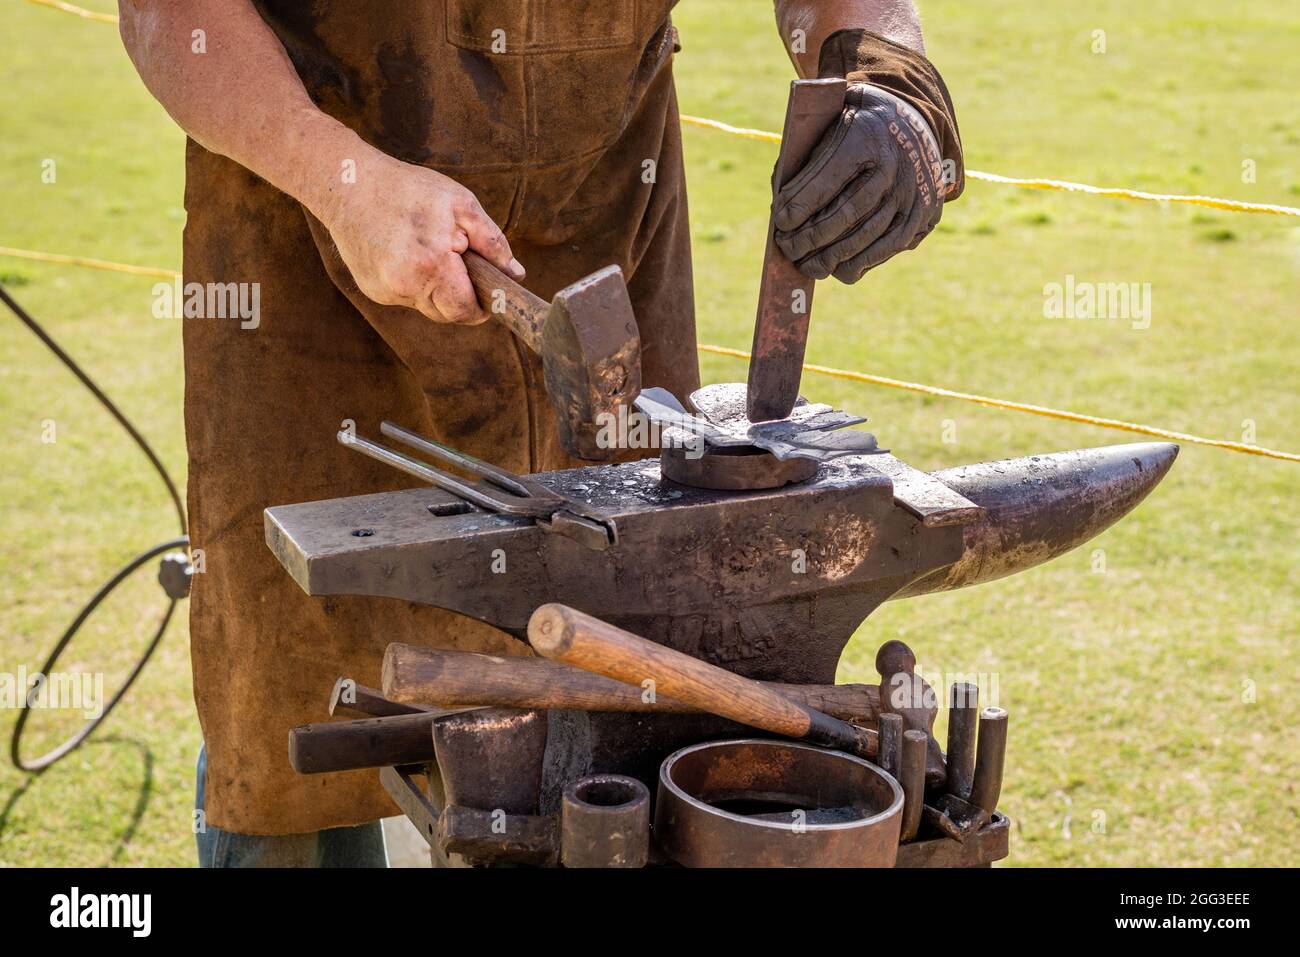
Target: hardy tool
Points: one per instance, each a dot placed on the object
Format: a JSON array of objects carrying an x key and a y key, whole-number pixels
[
  {"x": 785, "y": 294},
  {"x": 969, "y": 803},
  {"x": 989, "y": 761}
]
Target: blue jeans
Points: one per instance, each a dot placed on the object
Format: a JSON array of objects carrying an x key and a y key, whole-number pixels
[{"x": 360, "y": 846}]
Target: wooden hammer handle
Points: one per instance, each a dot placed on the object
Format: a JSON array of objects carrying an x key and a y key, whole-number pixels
[
  {"x": 450, "y": 679},
  {"x": 429, "y": 676},
  {"x": 506, "y": 301},
  {"x": 348, "y": 697},
  {"x": 568, "y": 635},
  {"x": 365, "y": 743}
]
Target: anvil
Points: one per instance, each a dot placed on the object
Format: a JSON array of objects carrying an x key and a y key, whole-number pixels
[{"x": 770, "y": 584}]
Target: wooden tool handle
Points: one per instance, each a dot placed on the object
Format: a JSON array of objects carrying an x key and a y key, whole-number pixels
[
  {"x": 506, "y": 301},
  {"x": 366, "y": 743},
  {"x": 568, "y": 635},
  {"x": 348, "y": 697},
  {"x": 858, "y": 704},
  {"x": 462, "y": 678},
  {"x": 452, "y": 679}
]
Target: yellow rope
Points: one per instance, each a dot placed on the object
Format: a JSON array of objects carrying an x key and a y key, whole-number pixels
[
  {"x": 79, "y": 11},
  {"x": 1210, "y": 201},
  {"x": 83, "y": 261},
  {"x": 820, "y": 370},
  {"x": 1023, "y": 407},
  {"x": 1213, "y": 202}
]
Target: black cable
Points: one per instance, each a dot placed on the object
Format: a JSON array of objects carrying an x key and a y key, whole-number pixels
[
  {"x": 69, "y": 745},
  {"x": 104, "y": 400},
  {"x": 45, "y": 760}
]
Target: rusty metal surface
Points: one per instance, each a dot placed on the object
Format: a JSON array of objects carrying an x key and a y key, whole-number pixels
[
  {"x": 808, "y": 427},
  {"x": 890, "y": 753},
  {"x": 738, "y": 468},
  {"x": 711, "y": 568},
  {"x": 925, "y": 496},
  {"x": 785, "y": 294},
  {"x": 330, "y": 746},
  {"x": 470, "y": 836},
  {"x": 400, "y": 783},
  {"x": 911, "y": 777},
  {"x": 719, "y": 448},
  {"x": 906, "y": 694},
  {"x": 491, "y": 758},
  {"x": 705, "y": 572},
  {"x": 991, "y": 843},
  {"x": 990, "y": 759},
  {"x": 963, "y": 713},
  {"x": 605, "y": 822},
  {"x": 1041, "y": 506},
  {"x": 472, "y": 839},
  {"x": 760, "y": 803},
  {"x": 591, "y": 359},
  {"x": 495, "y": 489},
  {"x": 588, "y": 342},
  {"x": 966, "y": 818}
]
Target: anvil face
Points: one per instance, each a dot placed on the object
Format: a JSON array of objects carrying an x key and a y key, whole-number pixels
[{"x": 769, "y": 584}]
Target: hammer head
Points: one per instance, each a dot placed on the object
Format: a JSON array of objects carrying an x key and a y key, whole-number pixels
[
  {"x": 591, "y": 359},
  {"x": 905, "y": 693}
]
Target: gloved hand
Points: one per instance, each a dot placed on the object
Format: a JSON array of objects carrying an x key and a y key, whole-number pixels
[{"x": 872, "y": 188}]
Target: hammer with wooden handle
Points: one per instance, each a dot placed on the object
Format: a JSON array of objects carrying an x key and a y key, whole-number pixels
[
  {"x": 566, "y": 634},
  {"x": 587, "y": 339},
  {"x": 455, "y": 679},
  {"x": 904, "y": 693}
]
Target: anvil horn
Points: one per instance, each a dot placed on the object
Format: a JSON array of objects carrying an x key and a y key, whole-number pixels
[{"x": 1039, "y": 507}]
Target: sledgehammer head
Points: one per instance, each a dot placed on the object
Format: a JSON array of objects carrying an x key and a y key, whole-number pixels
[{"x": 591, "y": 359}]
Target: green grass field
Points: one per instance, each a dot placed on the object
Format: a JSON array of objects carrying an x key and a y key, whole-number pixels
[{"x": 1150, "y": 717}]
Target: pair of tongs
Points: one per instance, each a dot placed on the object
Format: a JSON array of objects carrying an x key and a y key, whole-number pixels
[{"x": 494, "y": 489}]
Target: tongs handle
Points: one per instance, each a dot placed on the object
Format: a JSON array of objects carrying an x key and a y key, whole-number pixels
[
  {"x": 472, "y": 492},
  {"x": 461, "y": 460},
  {"x": 495, "y": 489}
]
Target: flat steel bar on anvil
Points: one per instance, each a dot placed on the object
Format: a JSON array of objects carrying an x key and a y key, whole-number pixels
[{"x": 769, "y": 584}]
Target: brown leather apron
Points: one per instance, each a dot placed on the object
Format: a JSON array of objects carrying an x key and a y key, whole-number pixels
[{"x": 552, "y": 134}]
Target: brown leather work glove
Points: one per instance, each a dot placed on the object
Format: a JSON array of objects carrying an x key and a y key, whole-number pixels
[{"x": 877, "y": 182}]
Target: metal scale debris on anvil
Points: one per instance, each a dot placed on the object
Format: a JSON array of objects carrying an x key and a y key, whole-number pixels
[{"x": 760, "y": 556}]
